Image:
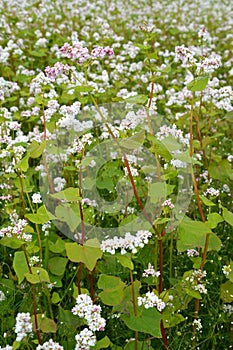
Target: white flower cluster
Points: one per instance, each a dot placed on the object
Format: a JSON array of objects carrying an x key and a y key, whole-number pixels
[
  {"x": 7, "y": 88},
  {"x": 91, "y": 202},
  {"x": 195, "y": 281},
  {"x": 185, "y": 55},
  {"x": 50, "y": 345},
  {"x": 209, "y": 64},
  {"x": 192, "y": 252},
  {"x": 222, "y": 98},
  {"x": 151, "y": 300},
  {"x": 23, "y": 325},
  {"x": 85, "y": 339},
  {"x": 212, "y": 192},
  {"x": 178, "y": 163},
  {"x": 16, "y": 229},
  {"x": 7, "y": 347},
  {"x": 168, "y": 203},
  {"x": 150, "y": 271},
  {"x": 204, "y": 34},
  {"x": 228, "y": 308},
  {"x": 59, "y": 183},
  {"x": 33, "y": 260},
  {"x": 36, "y": 198},
  {"x": 197, "y": 324},
  {"x": 165, "y": 131},
  {"x": 128, "y": 242},
  {"x": 92, "y": 313},
  {"x": 79, "y": 144}
]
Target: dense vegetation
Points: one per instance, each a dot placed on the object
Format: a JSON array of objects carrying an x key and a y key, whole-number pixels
[{"x": 116, "y": 174}]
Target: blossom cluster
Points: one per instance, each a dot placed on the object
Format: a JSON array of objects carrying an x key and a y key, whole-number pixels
[
  {"x": 151, "y": 300},
  {"x": 168, "y": 203},
  {"x": 23, "y": 325},
  {"x": 85, "y": 308},
  {"x": 16, "y": 229},
  {"x": 129, "y": 242},
  {"x": 57, "y": 69},
  {"x": 80, "y": 54},
  {"x": 150, "y": 271},
  {"x": 92, "y": 313},
  {"x": 50, "y": 345},
  {"x": 195, "y": 280},
  {"x": 212, "y": 192}
]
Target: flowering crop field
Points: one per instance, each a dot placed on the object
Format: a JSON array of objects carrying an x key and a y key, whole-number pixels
[{"x": 116, "y": 174}]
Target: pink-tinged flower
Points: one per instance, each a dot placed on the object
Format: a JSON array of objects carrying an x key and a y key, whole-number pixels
[
  {"x": 57, "y": 69},
  {"x": 102, "y": 52},
  {"x": 150, "y": 271}
]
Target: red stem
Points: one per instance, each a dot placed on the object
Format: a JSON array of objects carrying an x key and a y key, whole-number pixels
[{"x": 91, "y": 286}]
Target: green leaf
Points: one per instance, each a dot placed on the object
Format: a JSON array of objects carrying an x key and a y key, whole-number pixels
[
  {"x": 126, "y": 305},
  {"x": 57, "y": 265},
  {"x": 198, "y": 84},
  {"x": 102, "y": 343},
  {"x": 230, "y": 276},
  {"x": 138, "y": 99},
  {"x": 214, "y": 219},
  {"x": 160, "y": 148},
  {"x": 20, "y": 266},
  {"x": 133, "y": 142},
  {"x": 147, "y": 322},
  {"x": 36, "y": 149},
  {"x": 141, "y": 345},
  {"x": 193, "y": 293},
  {"x": 55, "y": 298},
  {"x": 87, "y": 254},
  {"x": 228, "y": 216},
  {"x": 16, "y": 345},
  {"x": 207, "y": 201},
  {"x": 226, "y": 292},
  {"x": 37, "y": 53},
  {"x": 70, "y": 194},
  {"x": 65, "y": 213},
  {"x": 58, "y": 246},
  {"x": 22, "y": 164},
  {"x": 11, "y": 242},
  {"x": 38, "y": 275},
  {"x": 153, "y": 55},
  {"x": 112, "y": 289},
  {"x": 157, "y": 192},
  {"x": 221, "y": 171},
  {"x": 41, "y": 217},
  {"x": 45, "y": 324},
  {"x": 125, "y": 260},
  {"x": 170, "y": 320},
  {"x": 192, "y": 234}
]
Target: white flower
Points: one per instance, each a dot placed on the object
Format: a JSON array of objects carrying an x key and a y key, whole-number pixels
[
  {"x": 197, "y": 324},
  {"x": 168, "y": 203},
  {"x": 49, "y": 345},
  {"x": 192, "y": 252},
  {"x": 2, "y": 296},
  {"x": 150, "y": 271},
  {"x": 151, "y": 300},
  {"x": 212, "y": 192},
  {"x": 226, "y": 269},
  {"x": 23, "y": 325},
  {"x": 85, "y": 339},
  {"x": 36, "y": 198}
]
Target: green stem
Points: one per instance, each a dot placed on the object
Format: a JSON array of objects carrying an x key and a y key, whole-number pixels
[
  {"x": 33, "y": 297},
  {"x": 134, "y": 305}
]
